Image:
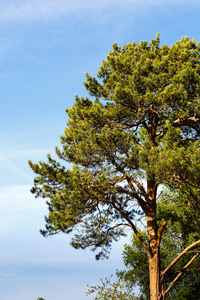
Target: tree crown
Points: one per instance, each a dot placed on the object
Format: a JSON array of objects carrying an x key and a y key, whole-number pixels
[{"x": 140, "y": 131}]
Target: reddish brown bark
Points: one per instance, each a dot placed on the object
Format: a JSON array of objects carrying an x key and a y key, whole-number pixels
[
  {"x": 154, "y": 260},
  {"x": 154, "y": 276},
  {"x": 154, "y": 239}
]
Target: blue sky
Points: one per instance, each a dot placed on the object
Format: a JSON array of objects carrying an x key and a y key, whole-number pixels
[{"x": 46, "y": 48}]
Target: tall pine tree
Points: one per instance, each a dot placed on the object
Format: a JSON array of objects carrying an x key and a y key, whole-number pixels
[{"x": 138, "y": 130}]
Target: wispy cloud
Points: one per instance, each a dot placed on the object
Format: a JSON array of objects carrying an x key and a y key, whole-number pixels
[
  {"x": 7, "y": 154},
  {"x": 14, "y": 164},
  {"x": 8, "y": 165},
  {"x": 33, "y": 10},
  {"x": 29, "y": 10},
  {"x": 19, "y": 198},
  {"x": 17, "y": 202}
]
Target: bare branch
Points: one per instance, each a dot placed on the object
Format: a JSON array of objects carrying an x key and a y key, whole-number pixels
[
  {"x": 192, "y": 122},
  {"x": 181, "y": 273},
  {"x": 130, "y": 180},
  {"x": 120, "y": 224},
  {"x": 161, "y": 134},
  {"x": 140, "y": 186},
  {"x": 179, "y": 257},
  {"x": 135, "y": 230},
  {"x": 185, "y": 121},
  {"x": 172, "y": 198},
  {"x": 162, "y": 228}
]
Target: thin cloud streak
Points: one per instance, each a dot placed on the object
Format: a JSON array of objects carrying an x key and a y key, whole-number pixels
[
  {"x": 13, "y": 167},
  {"x": 6, "y": 155}
]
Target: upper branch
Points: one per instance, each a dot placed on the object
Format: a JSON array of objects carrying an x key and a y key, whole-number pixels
[{"x": 192, "y": 122}]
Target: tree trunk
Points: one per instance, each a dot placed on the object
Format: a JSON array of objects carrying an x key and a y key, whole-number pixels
[
  {"x": 154, "y": 261},
  {"x": 154, "y": 276}
]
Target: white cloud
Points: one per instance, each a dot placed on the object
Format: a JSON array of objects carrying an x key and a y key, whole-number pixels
[
  {"x": 16, "y": 205},
  {"x": 19, "y": 198},
  {"x": 33, "y": 10}
]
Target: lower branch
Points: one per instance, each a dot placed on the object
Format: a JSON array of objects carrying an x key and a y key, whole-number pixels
[
  {"x": 179, "y": 257},
  {"x": 135, "y": 230},
  {"x": 181, "y": 273}
]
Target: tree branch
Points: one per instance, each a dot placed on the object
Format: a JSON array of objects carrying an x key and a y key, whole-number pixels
[
  {"x": 141, "y": 202},
  {"x": 135, "y": 230},
  {"x": 178, "y": 257},
  {"x": 192, "y": 122},
  {"x": 181, "y": 273},
  {"x": 161, "y": 134},
  {"x": 172, "y": 198},
  {"x": 162, "y": 228}
]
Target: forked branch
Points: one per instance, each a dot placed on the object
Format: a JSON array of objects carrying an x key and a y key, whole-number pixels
[
  {"x": 179, "y": 257},
  {"x": 181, "y": 273},
  {"x": 183, "y": 270}
]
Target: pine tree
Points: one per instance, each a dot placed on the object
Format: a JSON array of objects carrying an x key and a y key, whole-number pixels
[{"x": 137, "y": 131}]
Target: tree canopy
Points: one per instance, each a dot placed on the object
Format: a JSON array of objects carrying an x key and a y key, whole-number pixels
[{"x": 138, "y": 130}]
